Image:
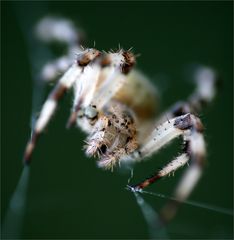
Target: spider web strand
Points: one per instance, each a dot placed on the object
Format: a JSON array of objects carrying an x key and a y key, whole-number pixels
[{"x": 192, "y": 203}]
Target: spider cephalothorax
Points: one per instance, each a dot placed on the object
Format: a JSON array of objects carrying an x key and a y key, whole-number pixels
[
  {"x": 116, "y": 106},
  {"x": 113, "y": 135}
]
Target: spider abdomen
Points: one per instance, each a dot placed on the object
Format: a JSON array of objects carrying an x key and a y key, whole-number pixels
[{"x": 139, "y": 95}]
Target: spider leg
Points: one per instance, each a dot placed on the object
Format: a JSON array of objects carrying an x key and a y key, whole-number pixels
[
  {"x": 110, "y": 76},
  {"x": 184, "y": 188},
  {"x": 60, "y": 30},
  {"x": 180, "y": 121},
  {"x": 49, "y": 107},
  {"x": 56, "y": 29},
  {"x": 53, "y": 69},
  {"x": 206, "y": 81},
  {"x": 190, "y": 128},
  {"x": 84, "y": 89},
  {"x": 195, "y": 149},
  {"x": 120, "y": 64}
]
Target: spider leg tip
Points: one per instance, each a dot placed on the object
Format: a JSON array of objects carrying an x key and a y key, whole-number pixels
[{"x": 133, "y": 188}]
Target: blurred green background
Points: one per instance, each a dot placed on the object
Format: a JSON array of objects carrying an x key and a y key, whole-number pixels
[{"x": 69, "y": 197}]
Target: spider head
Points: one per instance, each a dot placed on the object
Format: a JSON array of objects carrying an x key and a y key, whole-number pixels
[
  {"x": 100, "y": 142},
  {"x": 111, "y": 138}
]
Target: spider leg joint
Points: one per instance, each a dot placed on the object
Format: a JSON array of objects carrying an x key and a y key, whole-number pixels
[{"x": 133, "y": 188}]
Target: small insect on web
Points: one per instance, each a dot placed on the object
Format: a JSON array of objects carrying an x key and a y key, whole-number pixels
[{"x": 116, "y": 106}]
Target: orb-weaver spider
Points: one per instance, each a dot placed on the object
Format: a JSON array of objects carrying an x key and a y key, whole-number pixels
[{"x": 115, "y": 105}]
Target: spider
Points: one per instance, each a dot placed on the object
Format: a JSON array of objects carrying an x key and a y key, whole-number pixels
[{"x": 116, "y": 106}]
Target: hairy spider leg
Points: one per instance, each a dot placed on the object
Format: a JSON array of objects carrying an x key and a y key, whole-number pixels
[
  {"x": 194, "y": 144},
  {"x": 206, "y": 80},
  {"x": 84, "y": 89},
  {"x": 108, "y": 122},
  {"x": 116, "y": 66},
  {"x": 104, "y": 84},
  {"x": 188, "y": 126},
  {"x": 55, "y": 68},
  {"x": 49, "y": 107},
  {"x": 60, "y": 30}
]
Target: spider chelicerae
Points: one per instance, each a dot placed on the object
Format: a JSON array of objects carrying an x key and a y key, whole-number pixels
[{"x": 116, "y": 106}]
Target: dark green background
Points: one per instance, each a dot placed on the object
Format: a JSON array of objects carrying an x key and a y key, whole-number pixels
[{"x": 69, "y": 197}]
